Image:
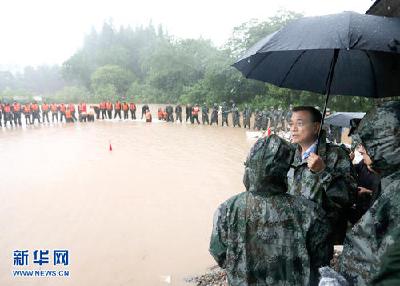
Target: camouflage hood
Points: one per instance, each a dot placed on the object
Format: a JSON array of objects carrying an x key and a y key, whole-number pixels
[
  {"x": 379, "y": 132},
  {"x": 267, "y": 165}
]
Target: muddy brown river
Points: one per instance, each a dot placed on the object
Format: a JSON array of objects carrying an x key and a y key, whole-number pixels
[{"x": 140, "y": 214}]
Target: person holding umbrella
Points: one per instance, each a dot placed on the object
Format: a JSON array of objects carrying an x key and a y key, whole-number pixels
[
  {"x": 322, "y": 174},
  {"x": 347, "y": 54}
]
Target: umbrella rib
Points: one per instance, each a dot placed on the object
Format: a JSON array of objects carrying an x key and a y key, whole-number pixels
[
  {"x": 373, "y": 74},
  {"x": 291, "y": 67}
]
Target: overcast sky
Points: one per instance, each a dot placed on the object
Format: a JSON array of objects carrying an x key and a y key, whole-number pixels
[{"x": 35, "y": 32}]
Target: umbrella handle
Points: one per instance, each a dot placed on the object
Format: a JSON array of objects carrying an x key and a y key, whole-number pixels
[{"x": 328, "y": 91}]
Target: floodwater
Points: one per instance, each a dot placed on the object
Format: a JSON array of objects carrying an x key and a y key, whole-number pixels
[{"x": 140, "y": 214}]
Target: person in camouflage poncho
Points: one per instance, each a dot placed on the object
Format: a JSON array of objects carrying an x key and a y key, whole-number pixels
[
  {"x": 265, "y": 236},
  {"x": 325, "y": 176},
  {"x": 368, "y": 240}
]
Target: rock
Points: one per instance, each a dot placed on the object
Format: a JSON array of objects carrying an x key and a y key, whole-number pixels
[{"x": 215, "y": 276}]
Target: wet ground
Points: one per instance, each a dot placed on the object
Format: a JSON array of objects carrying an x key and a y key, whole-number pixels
[{"x": 140, "y": 214}]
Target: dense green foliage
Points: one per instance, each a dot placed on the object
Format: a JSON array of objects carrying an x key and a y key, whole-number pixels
[{"x": 146, "y": 64}]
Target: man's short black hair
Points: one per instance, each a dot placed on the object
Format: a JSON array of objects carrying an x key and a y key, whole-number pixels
[{"x": 316, "y": 115}]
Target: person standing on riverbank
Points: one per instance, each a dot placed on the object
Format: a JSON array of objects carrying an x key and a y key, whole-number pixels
[
  {"x": 178, "y": 113},
  {"x": 16, "y": 108},
  {"x": 204, "y": 114},
  {"x": 45, "y": 112},
  {"x": 265, "y": 236},
  {"x": 132, "y": 108},
  {"x": 54, "y": 111},
  {"x": 214, "y": 115}
]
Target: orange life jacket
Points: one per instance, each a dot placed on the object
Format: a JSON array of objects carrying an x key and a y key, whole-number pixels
[
  {"x": 71, "y": 107},
  {"x": 53, "y": 107},
  {"x": 7, "y": 109},
  {"x": 117, "y": 106},
  {"x": 63, "y": 108},
  {"x": 132, "y": 106},
  {"x": 45, "y": 107},
  {"x": 125, "y": 107},
  {"x": 17, "y": 107},
  {"x": 68, "y": 114},
  {"x": 109, "y": 105},
  {"x": 195, "y": 110},
  {"x": 35, "y": 107},
  {"x": 102, "y": 105}
]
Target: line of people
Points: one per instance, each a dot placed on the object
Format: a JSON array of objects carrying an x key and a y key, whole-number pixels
[
  {"x": 277, "y": 119},
  {"x": 32, "y": 111}
]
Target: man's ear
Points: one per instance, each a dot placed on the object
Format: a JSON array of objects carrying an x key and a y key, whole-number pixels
[{"x": 316, "y": 127}]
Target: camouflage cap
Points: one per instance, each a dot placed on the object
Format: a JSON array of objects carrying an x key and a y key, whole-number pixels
[
  {"x": 379, "y": 132},
  {"x": 269, "y": 160}
]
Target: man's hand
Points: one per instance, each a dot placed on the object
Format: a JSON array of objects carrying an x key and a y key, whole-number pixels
[
  {"x": 363, "y": 191},
  {"x": 315, "y": 163}
]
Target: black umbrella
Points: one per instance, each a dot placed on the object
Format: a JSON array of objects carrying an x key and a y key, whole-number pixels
[
  {"x": 343, "y": 119},
  {"x": 345, "y": 54}
]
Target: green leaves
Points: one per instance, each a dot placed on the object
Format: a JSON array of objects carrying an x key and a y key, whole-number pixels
[{"x": 112, "y": 78}]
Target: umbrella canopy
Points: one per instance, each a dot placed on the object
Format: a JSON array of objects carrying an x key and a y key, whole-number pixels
[
  {"x": 346, "y": 54},
  {"x": 361, "y": 54},
  {"x": 343, "y": 119}
]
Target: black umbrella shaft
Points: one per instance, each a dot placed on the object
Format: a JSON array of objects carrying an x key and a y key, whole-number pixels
[{"x": 328, "y": 91}]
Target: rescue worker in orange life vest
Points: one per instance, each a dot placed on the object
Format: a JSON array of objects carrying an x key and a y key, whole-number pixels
[
  {"x": 35, "y": 112},
  {"x": 195, "y": 114},
  {"x": 16, "y": 108},
  {"x": 125, "y": 109},
  {"x": 132, "y": 108},
  {"x": 117, "y": 108},
  {"x": 68, "y": 116},
  {"x": 45, "y": 112},
  {"x": 71, "y": 108},
  {"x": 54, "y": 111},
  {"x": 27, "y": 113},
  {"x": 82, "y": 112},
  {"x": 109, "y": 107},
  {"x": 103, "y": 110},
  {"x": 7, "y": 114},
  {"x": 63, "y": 109}
]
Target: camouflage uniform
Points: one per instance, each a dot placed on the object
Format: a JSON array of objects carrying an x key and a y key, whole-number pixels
[
  {"x": 264, "y": 119},
  {"x": 257, "y": 120},
  {"x": 214, "y": 114},
  {"x": 224, "y": 111},
  {"x": 265, "y": 236},
  {"x": 246, "y": 116},
  {"x": 235, "y": 115},
  {"x": 379, "y": 132},
  {"x": 333, "y": 188},
  {"x": 389, "y": 273},
  {"x": 204, "y": 114},
  {"x": 288, "y": 117}
]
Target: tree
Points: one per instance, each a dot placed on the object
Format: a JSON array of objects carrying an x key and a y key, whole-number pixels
[{"x": 112, "y": 75}]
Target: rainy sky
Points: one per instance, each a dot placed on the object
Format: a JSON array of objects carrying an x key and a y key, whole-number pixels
[{"x": 50, "y": 31}]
